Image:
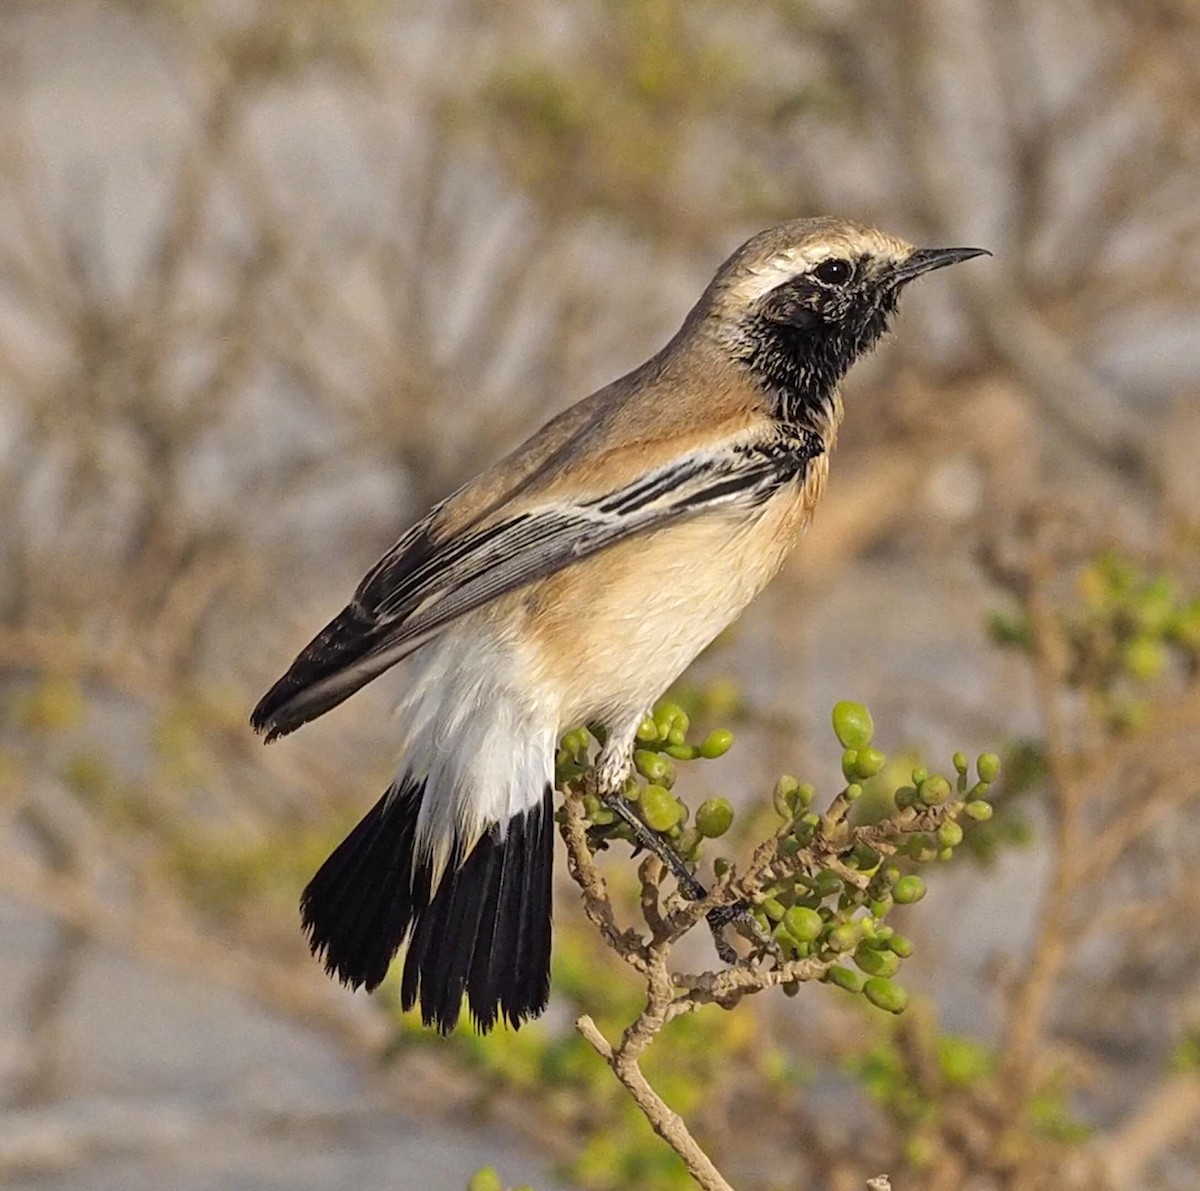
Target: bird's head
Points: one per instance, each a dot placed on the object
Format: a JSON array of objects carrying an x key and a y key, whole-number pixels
[{"x": 799, "y": 303}]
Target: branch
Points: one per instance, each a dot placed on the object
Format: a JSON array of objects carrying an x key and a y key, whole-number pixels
[
  {"x": 628, "y": 944},
  {"x": 815, "y": 892},
  {"x": 667, "y": 1123}
]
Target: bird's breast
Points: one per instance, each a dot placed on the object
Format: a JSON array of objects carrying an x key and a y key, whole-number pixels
[{"x": 614, "y": 631}]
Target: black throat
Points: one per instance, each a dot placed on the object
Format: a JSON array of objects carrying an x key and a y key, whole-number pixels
[
  {"x": 800, "y": 363},
  {"x": 799, "y": 370}
]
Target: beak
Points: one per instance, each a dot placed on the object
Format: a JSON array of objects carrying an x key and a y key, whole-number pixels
[{"x": 925, "y": 260}]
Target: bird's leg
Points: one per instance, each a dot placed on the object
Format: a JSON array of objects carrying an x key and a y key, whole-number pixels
[
  {"x": 612, "y": 770},
  {"x": 653, "y": 842}
]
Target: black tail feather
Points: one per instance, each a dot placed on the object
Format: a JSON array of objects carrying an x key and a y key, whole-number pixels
[
  {"x": 443, "y": 983},
  {"x": 463, "y": 942},
  {"x": 359, "y": 907},
  {"x": 493, "y": 966},
  {"x": 533, "y": 936},
  {"x": 485, "y": 932}
]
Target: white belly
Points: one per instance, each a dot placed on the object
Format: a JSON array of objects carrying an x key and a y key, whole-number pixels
[{"x": 477, "y": 732}]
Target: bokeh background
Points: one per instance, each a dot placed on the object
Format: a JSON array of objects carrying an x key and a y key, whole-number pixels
[{"x": 276, "y": 276}]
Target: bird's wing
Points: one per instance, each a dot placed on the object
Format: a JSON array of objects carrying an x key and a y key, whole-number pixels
[{"x": 422, "y": 584}]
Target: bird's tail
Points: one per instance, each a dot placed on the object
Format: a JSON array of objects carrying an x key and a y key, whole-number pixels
[{"x": 483, "y": 931}]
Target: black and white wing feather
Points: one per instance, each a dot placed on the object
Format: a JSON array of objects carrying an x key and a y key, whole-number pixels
[{"x": 421, "y": 585}]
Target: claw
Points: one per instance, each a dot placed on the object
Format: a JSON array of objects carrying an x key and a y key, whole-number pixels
[
  {"x": 739, "y": 915},
  {"x": 725, "y": 952}
]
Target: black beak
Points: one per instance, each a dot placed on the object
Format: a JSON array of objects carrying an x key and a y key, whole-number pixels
[{"x": 925, "y": 260}]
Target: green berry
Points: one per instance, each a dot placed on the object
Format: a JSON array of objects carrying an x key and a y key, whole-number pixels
[
  {"x": 681, "y": 752},
  {"x": 933, "y": 791},
  {"x": 660, "y": 808},
  {"x": 783, "y": 938},
  {"x": 671, "y": 717},
  {"x": 773, "y": 908},
  {"x": 802, "y": 832},
  {"x": 988, "y": 767},
  {"x": 919, "y": 775},
  {"x": 651, "y": 765},
  {"x": 875, "y": 962},
  {"x": 828, "y": 882},
  {"x": 845, "y": 978},
  {"x": 843, "y": 938},
  {"x": 981, "y": 812},
  {"x": 647, "y": 731},
  {"x": 784, "y": 796},
  {"x": 883, "y": 994},
  {"x": 850, "y": 764},
  {"x": 853, "y": 792},
  {"x": 922, "y": 847},
  {"x": 909, "y": 890},
  {"x": 864, "y": 857},
  {"x": 900, "y": 945},
  {"x": 716, "y": 744},
  {"x": 852, "y": 725},
  {"x": 803, "y": 924},
  {"x": 714, "y": 817},
  {"x": 950, "y": 835},
  {"x": 870, "y": 762},
  {"x": 890, "y": 873},
  {"x": 960, "y": 762}
]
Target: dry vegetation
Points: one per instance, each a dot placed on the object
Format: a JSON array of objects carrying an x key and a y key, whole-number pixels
[{"x": 379, "y": 243}]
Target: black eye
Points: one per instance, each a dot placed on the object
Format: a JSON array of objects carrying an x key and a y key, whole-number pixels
[{"x": 833, "y": 271}]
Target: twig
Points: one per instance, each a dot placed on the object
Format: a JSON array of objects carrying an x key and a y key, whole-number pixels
[
  {"x": 628, "y": 944},
  {"x": 667, "y": 1123},
  {"x": 671, "y": 995}
]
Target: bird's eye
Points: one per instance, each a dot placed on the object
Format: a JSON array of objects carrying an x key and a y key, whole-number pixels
[{"x": 833, "y": 271}]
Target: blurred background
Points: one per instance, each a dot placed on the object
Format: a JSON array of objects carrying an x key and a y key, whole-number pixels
[{"x": 276, "y": 276}]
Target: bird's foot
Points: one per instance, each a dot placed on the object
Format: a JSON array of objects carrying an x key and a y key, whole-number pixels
[{"x": 719, "y": 917}]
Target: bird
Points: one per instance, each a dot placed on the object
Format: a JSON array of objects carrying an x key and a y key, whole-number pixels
[{"x": 572, "y": 582}]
